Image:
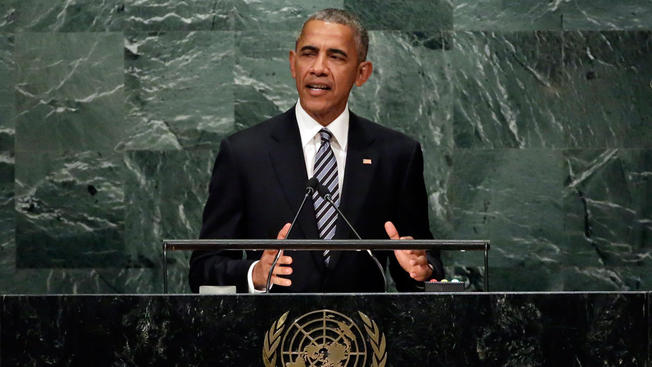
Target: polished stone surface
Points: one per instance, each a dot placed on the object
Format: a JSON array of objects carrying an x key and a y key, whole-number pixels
[
  {"x": 415, "y": 98},
  {"x": 7, "y": 220},
  {"x": 534, "y": 120},
  {"x": 406, "y": 15},
  {"x": 262, "y": 84},
  {"x": 587, "y": 329},
  {"x": 276, "y": 15},
  {"x": 179, "y": 90},
  {"x": 607, "y": 218},
  {"x": 649, "y": 329},
  {"x": 69, "y": 210},
  {"x": 153, "y": 178},
  {"x": 507, "y": 89},
  {"x": 69, "y": 16},
  {"x": 7, "y": 15},
  {"x": 498, "y": 15},
  {"x": 604, "y": 15},
  {"x": 7, "y": 99},
  {"x": 69, "y": 91},
  {"x": 610, "y": 90}
]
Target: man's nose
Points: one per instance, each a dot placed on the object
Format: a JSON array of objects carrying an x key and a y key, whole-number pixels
[{"x": 319, "y": 66}]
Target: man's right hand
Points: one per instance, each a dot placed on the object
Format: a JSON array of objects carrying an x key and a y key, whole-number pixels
[{"x": 261, "y": 269}]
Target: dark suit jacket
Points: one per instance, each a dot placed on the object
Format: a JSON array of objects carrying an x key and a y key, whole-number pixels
[{"x": 259, "y": 180}]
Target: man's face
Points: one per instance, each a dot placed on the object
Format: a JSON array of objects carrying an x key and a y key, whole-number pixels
[{"x": 325, "y": 66}]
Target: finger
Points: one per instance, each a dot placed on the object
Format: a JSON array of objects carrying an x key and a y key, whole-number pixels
[
  {"x": 406, "y": 238},
  {"x": 423, "y": 273},
  {"x": 421, "y": 268},
  {"x": 417, "y": 274},
  {"x": 418, "y": 263},
  {"x": 282, "y": 270},
  {"x": 283, "y": 233},
  {"x": 391, "y": 231},
  {"x": 281, "y": 281},
  {"x": 285, "y": 260}
]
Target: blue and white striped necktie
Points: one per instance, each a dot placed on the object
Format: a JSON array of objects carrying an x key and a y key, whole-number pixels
[{"x": 326, "y": 172}]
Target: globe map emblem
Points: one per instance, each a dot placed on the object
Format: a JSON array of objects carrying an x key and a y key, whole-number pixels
[{"x": 323, "y": 338}]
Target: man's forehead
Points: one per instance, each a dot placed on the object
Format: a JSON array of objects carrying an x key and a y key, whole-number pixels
[{"x": 320, "y": 31}]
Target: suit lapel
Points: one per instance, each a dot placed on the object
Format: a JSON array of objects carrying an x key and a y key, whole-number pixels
[{"x": 286, "y": 155}]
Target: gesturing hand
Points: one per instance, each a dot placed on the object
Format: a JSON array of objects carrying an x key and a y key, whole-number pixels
[
  {"x": 261, "y": 269},
  {"x": 414, "y": 262}
]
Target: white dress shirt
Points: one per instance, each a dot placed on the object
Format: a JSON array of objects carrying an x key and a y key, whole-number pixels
[{"x": 310, "y": 142}]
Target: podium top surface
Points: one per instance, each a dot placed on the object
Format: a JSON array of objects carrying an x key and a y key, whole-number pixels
[{"x": 316, "y": 244}]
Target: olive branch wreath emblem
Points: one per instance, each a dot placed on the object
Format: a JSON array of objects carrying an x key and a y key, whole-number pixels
[
  {"x": 377, "y": 341},
  {"x": 272, "y": 340}
]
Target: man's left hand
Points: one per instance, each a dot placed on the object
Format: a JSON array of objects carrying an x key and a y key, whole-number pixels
[{"x": 415, "y": 262}]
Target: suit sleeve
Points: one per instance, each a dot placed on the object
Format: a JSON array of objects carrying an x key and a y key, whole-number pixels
[
  {"x": 412, "y": 220},
  {"x": 222, "y": 219}
]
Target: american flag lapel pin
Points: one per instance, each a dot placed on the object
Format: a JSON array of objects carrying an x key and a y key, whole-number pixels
[{"x": 366, "y": 160}]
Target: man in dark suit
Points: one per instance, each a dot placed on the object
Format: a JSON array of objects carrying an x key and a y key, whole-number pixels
[{"x": 375, "y": 176}]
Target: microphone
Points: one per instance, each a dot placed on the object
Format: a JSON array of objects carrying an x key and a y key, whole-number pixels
[
  {"x": 326, "y": 194},
  {"x": 310, "y": 188}
]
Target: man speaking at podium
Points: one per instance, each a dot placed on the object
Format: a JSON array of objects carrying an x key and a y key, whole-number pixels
[{"x": 373, "y": 174}]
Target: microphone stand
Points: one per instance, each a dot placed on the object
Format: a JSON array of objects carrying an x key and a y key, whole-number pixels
[
  {"x": 310, "y": 188},
  {"x": 325, "y": 193}
]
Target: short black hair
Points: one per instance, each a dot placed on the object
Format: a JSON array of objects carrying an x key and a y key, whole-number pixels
[{"x": 343, "y": 17}]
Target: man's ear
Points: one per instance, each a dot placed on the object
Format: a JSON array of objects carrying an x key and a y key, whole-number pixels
[
  {"x": 365, "y": 69},
  {"x": 293, "y": 56}
]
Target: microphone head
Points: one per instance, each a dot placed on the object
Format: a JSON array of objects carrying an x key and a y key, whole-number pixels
[
  {"x": 323, "y": 191},
  {"x": 312, "y": 184}
]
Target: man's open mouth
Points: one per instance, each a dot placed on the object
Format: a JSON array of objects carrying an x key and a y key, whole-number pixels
[{"x": 318, "y": 86}]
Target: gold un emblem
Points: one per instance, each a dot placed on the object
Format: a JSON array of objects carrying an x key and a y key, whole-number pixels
[{"x": 324, "y": 338}]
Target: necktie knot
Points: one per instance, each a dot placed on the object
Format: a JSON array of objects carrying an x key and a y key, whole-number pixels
[{"x": 325, "y": 135}]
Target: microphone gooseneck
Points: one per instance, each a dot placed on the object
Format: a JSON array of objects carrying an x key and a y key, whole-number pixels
[
  {"x": 325, "y": 193},
  {"x": 310, "y": 188}
]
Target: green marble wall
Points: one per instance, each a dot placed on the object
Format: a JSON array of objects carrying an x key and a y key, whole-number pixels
[{"x": 535, "y": 120}]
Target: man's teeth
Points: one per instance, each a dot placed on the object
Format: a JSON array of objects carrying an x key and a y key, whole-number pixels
[{"x": 318, "y": 87}]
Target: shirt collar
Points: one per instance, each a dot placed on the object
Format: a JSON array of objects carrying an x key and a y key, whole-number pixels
[{"x": 309, "y": 127}]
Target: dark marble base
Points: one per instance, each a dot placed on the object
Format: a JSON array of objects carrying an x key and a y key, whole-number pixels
[{"x": 514, "y": 329}]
